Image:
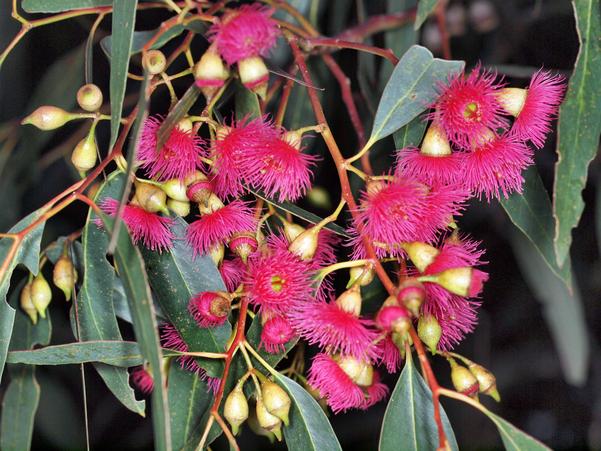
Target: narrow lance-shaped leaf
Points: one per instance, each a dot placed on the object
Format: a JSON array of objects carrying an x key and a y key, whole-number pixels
[
  {"x": 27, "y": 253},
  {"x": 513, "y": 438},
  {"x": 410, "y": 89},
  {"x": 530, "y": 211},
  {"x": 424, "y": 9},
  {"x": 409, "y": 417},
  {"x": 124, "y": 18},
  {"x": 180, "y": 109},
  {"x": 57, "y": 6},
  {"x": 579, "y": 127},
  {"x": 116, "y": 353}
]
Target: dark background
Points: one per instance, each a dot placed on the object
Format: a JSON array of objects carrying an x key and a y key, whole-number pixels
[{"x": 512, "y": 339}]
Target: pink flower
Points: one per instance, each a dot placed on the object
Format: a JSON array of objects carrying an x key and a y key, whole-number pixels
[
  {"x": 244, "y": 138},
  {"x": 376, "y": 392},
  {"x": 142, "y": 379},
  {"x": 276, "y": 332},
  {"x": 231, "y": 272},
  {"x": 540, "y": 107},
  {"x": 219, "y": 225},
  {"x": 245, "y": 32},
  {"x": 429, "y": 169},
  {"x": 443, "y": 203},
  {"x": 279, "y": 169},
  {"x": 149, "y": 228},
  {"x": 494, "y": 169},
  {"x": 341, "y": 393},
  {"x": 277, "y": 279},
  {"x": 329, "y": 326},
  {"x": 389, "y": 354},
  {"x": 209, "y": 309},
  {"x": 179, "y": 156},
  {"x": 466, "y": 104}
]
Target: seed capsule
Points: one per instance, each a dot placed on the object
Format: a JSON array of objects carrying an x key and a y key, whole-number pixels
[
  {"x": 89, "y": 97},
  {"x": 154, "y": 62}
]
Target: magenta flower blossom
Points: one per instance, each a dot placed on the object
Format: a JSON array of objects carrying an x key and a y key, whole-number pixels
[
  {"x": 443, "y": 203},
  {"x": 327, "y": 325},
  {"x": 179, "y": 156},
  {"x": 143, "y": 380},
  {"x": 245, "y": 32},
  {"x": 149, "y": 228},
  {"x": 376, "y": 392},
  {"x": 242, "y": 138},
  {"x": 429, "y": 169},
  {"x": 390, "y": 356},
  {"x": 333, "y": 384},
  {"x": 209, "y": 309},
  {"x": 219, "y": 225},
  {"x": 231, "y": 272},
  {"x": 494, "y": 169},
  {"x": 539, "y": 105},
  {"x": 279, "y": 169},
  {"x": 277, "y": 279},
  {"x": 466, "y": 104},
  {"x": 276, "y": 332}
]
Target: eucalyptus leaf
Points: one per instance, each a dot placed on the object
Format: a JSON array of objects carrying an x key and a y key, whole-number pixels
[
  {"x": 115, "y": 353},
  {"x": 410, "y": 89},
  {"x": 247, "y": 103},
  {"x": 123, "y": 21},
  {"x": 578, "y": 128},
  {"x": 513, "y": 438},
  {"x": 178, "y": 112},
  {"x": 424, "y": 9},
  {"x": 57, "y": 6},
  {"x": 410, "y": 135},
  {"x": 409, "y": 417},
  {"x": 176, "y": 276}
]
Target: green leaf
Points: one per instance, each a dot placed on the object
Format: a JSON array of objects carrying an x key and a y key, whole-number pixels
[
  {"x": 23, "y": 393},
  {"x": 123, "y": 21},
  {"x": 57, "y": 6},
  {"x": 410, "y": 135},
  {"x": 309, "y": 427},
  {"x": 132, "y": 271},
  {"x": 563, "y": 310},
  {"x": 27, "y": 253},
  {"x": 175, "y": 277},
  {"x": 95, "y": 300},
  {"x": 189, "y": 399},
  {"x": 531, "y": 213},
  {"x": 247, "y": 103},
  {"x": 411, "y": 88},
  {"x": 409, "y": 417},
  {"x": 116, "y": 353},
  {"x": 180, "y": 109},
  {"x": 513, "y": 438},
  {"x": 302, "y": 214},
  {"x": 424, "y": 9},
  {"x": 578, "y": 128}
]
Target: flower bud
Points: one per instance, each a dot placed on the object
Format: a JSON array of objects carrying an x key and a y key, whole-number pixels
[
  {"x": 421, "y": 254},
  {"x": 463, "y": 380},
  {"x": 154, "y": 62},
  {"x": 253, "y": 424},
  {"x": 361, "y": 275},
  {"x": 254, "y": 75},
  {"x": 64, "y": 275},
  {"x": 243, "y": 244},
  {"x": 268, "y": 421},
  {"x": 393, "y": 318},
  {"x": 412, "y": 295},
  {"x": 435, "y": 143},
  {"x": 199, "y": 191},
  {"x": 175, "y": 189},
  {"x": 178, "y": 207},
  {"x": 27, "y": 303},
  {"x": 210, "y": 73},
  {"x": 41, "y": 294},
  {"x": 464, "y": 281},
  {"x": 487, "y": 382},
  {"x": 276, "y": 400},
  {"x": 151, "y": 198},
  {"x": 212, "y": 204},
  {"x": 357, "y": 370},
  {"x": 512, "y": 100},
  {"x": 48, "y": 118},
  {"x": 305, "y": 245},
  {"x": 89, "y": 97},
  {"x": 350, "y": 300},
  {"x": 85, "y": 154},
  {"x": 185, "y": 125},
  {"x": 235, "y": 409},
  {"x": 365, "y": 378},
  {"x": 210, "y": 309},
  {"x": 217, "y": 253},
  {"x": 429, "y": 331},
  {"x": 292, "y": 230}
]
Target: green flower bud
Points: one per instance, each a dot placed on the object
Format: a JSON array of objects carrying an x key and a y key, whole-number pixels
[
  {"x": 89, "y": 97},
  {"x": 27, "y": 303},
  {"x": 429, "y": 331},
  {"x": 235, "y": 409},
  {"x": 305, "y": 245},
  {"x": 85, "y": 154},
  {"x": 487, "y": 382},
  {"x": 175, "y": 189},
  {"x": 276, "y": 400},
  {"x": 41, "y": 294},
  {"x": 512, "y": 100},
  {"x": 64, "y": 276},
  {"x": 268, "y": 421},
  {"x": 48, "y": 118},
  {"x": 178, "y": 207},
  {"x": 421, "y": 254},
  {"x": 292, "y": 230},
  {"x": 151, "y": 198},
  {"x": 463, "y": 380},
  {"x": 254, "y": 75},
  {"x": 350, "y": 300},
  {"x": 361, "y": 275}
]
